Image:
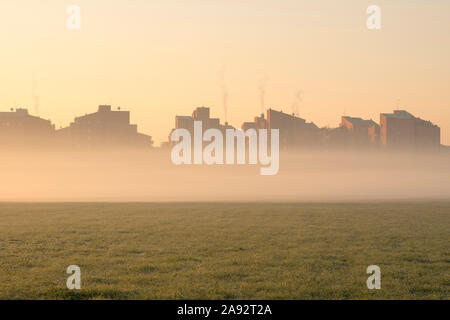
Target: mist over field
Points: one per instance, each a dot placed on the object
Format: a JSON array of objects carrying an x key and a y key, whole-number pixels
[{"x": 151, "y": 176}]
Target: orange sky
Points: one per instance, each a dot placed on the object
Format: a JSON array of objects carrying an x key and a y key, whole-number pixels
[{"x": 162, "y": 58}]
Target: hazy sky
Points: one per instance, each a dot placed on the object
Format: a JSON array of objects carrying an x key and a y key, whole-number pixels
[{"x": 162, "y": 58}]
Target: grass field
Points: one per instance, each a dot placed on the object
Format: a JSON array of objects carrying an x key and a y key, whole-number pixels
[{"x": 225, "y": 251}]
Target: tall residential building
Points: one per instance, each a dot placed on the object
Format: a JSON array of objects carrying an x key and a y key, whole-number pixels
[
  {"x": 104, "y": 128},
  {"x": 361, "y": 132},
  {"x": 19, "y": 128},
  {"x": 402, "y": 130},
  {"x": 199, "y": 114},
  {"x": 293, "y": 131}
]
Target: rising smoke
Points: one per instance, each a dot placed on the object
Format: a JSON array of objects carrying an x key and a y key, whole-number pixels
[
  {"x": 224, "y": 92},
  {"x": 262, "y": 94},
  {"x": 35, "y": 97}
]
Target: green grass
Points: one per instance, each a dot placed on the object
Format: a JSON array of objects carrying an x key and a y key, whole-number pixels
[{"x": 225, "y": 251}]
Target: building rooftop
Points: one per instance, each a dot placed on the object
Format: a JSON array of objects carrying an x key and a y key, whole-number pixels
[
  {"x": 360, "y": 121},
  {"x": 20, "y": 113},
  {"x": 399, "y": 114}
]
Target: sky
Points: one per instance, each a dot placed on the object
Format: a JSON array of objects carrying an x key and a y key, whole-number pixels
[{"x": 160, "y": 58}]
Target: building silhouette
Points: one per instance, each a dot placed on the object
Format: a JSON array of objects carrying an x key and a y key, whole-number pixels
[
  {"x": 402, "y": 131},
  {"x": 361, "y": 132},
  {"x": 199, "y": 114},
  {"x": 398, "y": 131},
  {"x": 20, "y": 129},
  {"x": 352, "y": 133},
  {"x": 294, "y": 131},
  {"x": 105, "y": 128},
  {"x": 109, "y": 128}
]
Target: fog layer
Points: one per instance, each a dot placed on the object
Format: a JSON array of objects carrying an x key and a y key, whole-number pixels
[{"x": 151, "y": 176}]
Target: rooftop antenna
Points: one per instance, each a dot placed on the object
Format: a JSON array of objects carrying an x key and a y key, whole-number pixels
[{"x": 398, "y": 104}]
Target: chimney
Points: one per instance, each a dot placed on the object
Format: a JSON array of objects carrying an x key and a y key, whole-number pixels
[{"x": 104, "y": 108}]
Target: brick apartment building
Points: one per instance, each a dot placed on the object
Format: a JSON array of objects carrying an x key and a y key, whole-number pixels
[
  {"x": 402, "y": 131},
  {"x": 294, "y": 131},
  {"x": 361, "y": 132},
  {"x": 399, "y": 130}
]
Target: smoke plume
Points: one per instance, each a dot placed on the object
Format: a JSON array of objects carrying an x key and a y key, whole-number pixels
[
  {"x": 35, "y": 97},
  {"x": 224, "y": 92},
  {"x": 262, "y": 94}
]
